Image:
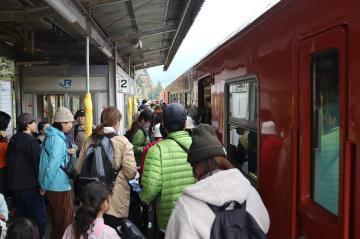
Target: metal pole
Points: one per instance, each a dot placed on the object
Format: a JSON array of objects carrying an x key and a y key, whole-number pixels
[{"x": 87, "y": 66}]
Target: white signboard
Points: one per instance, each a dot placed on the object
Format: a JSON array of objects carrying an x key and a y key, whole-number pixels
[
  {"x": 122, "y": 80},
  {"x": 55, "y": 84},
  {"x": 6, "y": 102}
]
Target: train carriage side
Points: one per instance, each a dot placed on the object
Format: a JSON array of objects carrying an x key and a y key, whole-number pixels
[
  {"x": 282, "y": 93},
  {"x": 179, "y": 91}
]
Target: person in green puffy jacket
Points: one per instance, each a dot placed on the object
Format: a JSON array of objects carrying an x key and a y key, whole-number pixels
[
  {"x": 138, "y": 135},
  {"x": 166, "y": 170}
]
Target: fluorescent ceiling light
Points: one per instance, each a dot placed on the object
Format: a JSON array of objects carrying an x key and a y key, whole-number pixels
[{"x": 60, "y": 7}]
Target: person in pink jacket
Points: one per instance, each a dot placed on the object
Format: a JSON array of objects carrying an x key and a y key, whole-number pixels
[{"x": 89, "y": 221}]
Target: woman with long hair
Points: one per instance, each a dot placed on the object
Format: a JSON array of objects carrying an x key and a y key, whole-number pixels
[
  {"x": 53, "y": 180},
  {"x": 123, "y": 160},
  {"x": 138, "y": 133},
  {"x": 218, "y": 183},
  {"x": 89, "y": 221}
]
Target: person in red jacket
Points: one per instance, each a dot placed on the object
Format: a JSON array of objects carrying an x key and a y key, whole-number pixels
[
  {"x": 4, "y": 122},
  {"x": 158, "y": 138}
]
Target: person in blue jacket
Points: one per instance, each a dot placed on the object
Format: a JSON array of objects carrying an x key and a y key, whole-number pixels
[{"x": 52, "y": 178}]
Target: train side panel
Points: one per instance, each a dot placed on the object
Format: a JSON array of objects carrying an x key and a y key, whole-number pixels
[{"x": 270, "y": 49}]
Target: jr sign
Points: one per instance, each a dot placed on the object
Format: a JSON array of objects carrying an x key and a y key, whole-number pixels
[{"x": 65, "y": 84}]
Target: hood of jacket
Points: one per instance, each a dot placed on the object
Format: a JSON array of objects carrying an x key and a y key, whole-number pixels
[
  {"x": 221, "y": 187},
  {"x": 51, "y": 131}
]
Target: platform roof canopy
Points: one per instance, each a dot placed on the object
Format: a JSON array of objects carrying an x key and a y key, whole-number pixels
[{"x": 145, "y": 32}]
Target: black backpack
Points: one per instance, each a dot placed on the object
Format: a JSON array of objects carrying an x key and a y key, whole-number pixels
[
  {"x": 234, "y": 223},
  {"x": 98, "y": 165}
]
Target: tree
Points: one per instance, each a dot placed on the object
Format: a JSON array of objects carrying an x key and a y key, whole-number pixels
[
  {"x": 143, "y": 82},
  {"x": 6, "y": 69},
  {"x": 155, "y": 92}
]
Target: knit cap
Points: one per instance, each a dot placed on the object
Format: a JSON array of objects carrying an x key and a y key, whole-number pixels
[
  {"x": 174, "y": 116},
  {"x": 63, "y": 115},
  {"x": 204, "y": 144}
]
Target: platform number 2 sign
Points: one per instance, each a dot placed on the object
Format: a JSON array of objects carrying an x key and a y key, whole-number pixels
[{"x": 123, "y": 83}]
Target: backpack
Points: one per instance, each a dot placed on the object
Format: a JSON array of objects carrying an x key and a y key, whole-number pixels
[
  {"x": 127, "y": 229},
  {"x": 234, "y": 223},
  {"x": 98, "y": 165}
]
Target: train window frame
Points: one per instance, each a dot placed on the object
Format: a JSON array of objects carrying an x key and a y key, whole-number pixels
[{"x": 249, "y": 125}]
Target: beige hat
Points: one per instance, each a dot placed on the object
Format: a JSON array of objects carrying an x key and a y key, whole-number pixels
[{"x": 63, "y": 115}]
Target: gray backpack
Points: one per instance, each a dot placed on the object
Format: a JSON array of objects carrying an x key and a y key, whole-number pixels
[{"x": 98, "y": 164}]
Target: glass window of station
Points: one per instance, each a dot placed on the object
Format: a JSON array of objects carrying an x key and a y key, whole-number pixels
[
  {"x": 242, "y": 129},
  {"x": 325, "y": 129}
]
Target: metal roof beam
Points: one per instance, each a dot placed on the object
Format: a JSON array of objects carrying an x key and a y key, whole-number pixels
[
  {"x": 132, "y": 16},
  {"x": 83, "y": 23},
  {"x": 133, "y": 36},
  {"x": 191, "y": 10},
  {"x": 13, "y": 16},
  {"x": 122, "y": 17},
  {"x": 164, "y": 24},
  {"x": 148, "y": 50},
  {"x": 148, "y": 64},
  {"x": 25, "y": 15},
  {"x": 105, "y": 3}
]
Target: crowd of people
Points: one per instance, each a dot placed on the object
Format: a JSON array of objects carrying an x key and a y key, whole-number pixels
[{"x": 165, "y": 176}]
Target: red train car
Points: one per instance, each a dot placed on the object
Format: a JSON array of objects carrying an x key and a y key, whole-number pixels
[{"x": 282, "y": 95}]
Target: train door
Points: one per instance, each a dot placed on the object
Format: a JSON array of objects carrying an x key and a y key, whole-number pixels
[
  {"x": 47, "y": 105},
  {"x": 75, "y": 102},
  {"x": 204, "y": 98},
  {"x": 323, "y": 206}
]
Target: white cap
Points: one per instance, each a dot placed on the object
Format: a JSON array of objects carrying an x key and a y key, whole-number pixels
[
  {"x": 268, "y": 127},
  {"x": 157, "y": 133},
  {"x": 189, "y": 123}
]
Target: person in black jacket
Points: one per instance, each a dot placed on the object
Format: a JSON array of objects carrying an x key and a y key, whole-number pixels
[{"x": 22, "y": 158}]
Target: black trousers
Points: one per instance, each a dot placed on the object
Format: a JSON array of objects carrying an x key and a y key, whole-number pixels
[
  {"x": 2, "y": 181},
  {"x": 30, "y": 204}
]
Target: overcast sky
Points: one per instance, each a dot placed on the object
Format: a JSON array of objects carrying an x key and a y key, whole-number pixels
[{"x": 216, "y": 20}]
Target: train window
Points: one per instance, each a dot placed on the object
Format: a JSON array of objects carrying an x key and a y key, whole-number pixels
[
  {"x": 243, "y": 149},
  {"x": 243, "y": 101},
  {"x": 325, "y": 129},
  {"x": 242, "y": 126}
]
